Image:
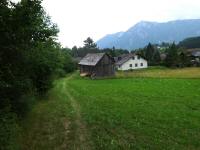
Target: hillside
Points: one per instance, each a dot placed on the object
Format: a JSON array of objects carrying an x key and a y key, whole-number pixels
[
  {"x": 144, "y": 32},
  {"x": 193, "y": 42}
]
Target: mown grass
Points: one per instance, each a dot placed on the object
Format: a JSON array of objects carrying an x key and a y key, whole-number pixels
[
  {"x": 138, "y": 112},
  {"x": 50, "y": 126},
  {"x": 161, "y": 72},
  {"x": 142, "y": 113}
]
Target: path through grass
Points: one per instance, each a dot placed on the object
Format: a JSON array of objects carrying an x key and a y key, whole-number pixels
[{"x": 55, "y": 123}]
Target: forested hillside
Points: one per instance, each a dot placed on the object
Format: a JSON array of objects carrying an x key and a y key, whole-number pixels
[{"x": 193, "y": 42}]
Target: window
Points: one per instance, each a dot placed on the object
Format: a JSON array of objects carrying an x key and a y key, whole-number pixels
[
  {"x": 138, "y": 57},
  {"x": 133, "y": 58},
  {"x": 131, "y": 65},
  {"x": 141, "y": 64},
  {"x": 136, "y": 65}
]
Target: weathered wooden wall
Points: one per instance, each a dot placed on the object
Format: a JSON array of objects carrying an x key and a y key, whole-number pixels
[{"x": 105, "y": 67}]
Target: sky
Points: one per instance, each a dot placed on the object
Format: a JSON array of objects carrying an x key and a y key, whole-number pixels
[{"x": 79, "y": 19}]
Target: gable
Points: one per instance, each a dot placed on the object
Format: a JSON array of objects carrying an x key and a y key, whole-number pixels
[{"x": 105, "y": 60}]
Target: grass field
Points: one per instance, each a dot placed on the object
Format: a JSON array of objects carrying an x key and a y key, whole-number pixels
[
  {"x": 162, "y": 72},
  {"x": 147, "y": 112}
]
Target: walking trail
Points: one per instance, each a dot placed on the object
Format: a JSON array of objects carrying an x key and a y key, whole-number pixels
[{"x": 83, "y": 141}]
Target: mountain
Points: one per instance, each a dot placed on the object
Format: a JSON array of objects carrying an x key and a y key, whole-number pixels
[{"x": 144, "y": 32}]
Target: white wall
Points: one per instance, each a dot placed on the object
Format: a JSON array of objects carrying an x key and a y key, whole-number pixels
[{"x": 137, "y": 60}]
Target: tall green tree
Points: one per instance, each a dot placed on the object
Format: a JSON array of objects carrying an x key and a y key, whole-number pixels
[
  {"x": 89, "y": 47},
  {"x": 172, "y": 58},
  {"x": 74, "y": 51},
  {"x": 29, "y": 53},
  {"x": 156, "y": 57},
  {"x": 89, "y": 44},
  {"x": 152, "y": 55},
  {"x": 149, "y": 52},
  {"x": 29, "y": 58}
]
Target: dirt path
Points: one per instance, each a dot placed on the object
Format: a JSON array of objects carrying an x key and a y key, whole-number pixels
[{"x": 83, "y": 141}]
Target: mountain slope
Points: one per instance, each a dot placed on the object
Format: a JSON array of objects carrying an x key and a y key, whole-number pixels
[
  {"x": 144, "y": 32},
  {"x": 193, "y": 42}
]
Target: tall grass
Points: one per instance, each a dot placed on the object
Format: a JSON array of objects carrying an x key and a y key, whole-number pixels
[{"x": 161, "y": 72}]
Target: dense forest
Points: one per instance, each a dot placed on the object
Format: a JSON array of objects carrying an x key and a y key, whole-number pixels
[
  {"x": 30, "y": 59},
  {"x": 175, "y": 55},
  {"x": 91, "y": 47}
]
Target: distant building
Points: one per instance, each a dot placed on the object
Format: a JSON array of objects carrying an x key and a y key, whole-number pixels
[
  {"x": 194, "y": 55},
  {"x": 163, "y": 56},
  {"x": 97, "y": 65},
  {"x": 131, "y": 61}
]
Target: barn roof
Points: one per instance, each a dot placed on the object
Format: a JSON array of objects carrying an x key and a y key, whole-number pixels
[{"x": 91, "y": 59}]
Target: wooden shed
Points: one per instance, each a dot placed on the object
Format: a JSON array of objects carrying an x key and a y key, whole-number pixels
[{"x": 97, "y": 65}]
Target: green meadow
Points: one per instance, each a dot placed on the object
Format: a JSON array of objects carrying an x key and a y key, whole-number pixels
[{"x": 148, "y": 109}]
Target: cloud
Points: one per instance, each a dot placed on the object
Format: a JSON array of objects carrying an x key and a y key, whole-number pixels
[{"x": 78, "y": 19}]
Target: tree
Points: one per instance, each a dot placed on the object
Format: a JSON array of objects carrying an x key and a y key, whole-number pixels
[
  {"x": 115, "y": 52},
  {"x": 29, "y": 59},
  {"x": 152, "y": 55},
  {"x": 89, "y": 47},
  {"x": 156, "y": 57},
  {"x": 74, "y": 52},
  {"x": 89, "y": 44},
  {"x": 149, "y": 52},
  {"x": 172, "y": 58},
  {"x": 29, "y": 53}
]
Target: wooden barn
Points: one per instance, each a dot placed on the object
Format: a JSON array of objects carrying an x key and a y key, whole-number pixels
[{"x": 97, "y": 65}]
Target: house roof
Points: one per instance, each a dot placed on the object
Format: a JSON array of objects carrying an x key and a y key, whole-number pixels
[
  {"x": 91, "y": 59},
  {"x": 163, "y": 56},
  {"x": 125, "y": 59},
  {"x": 194, "y": 52}
]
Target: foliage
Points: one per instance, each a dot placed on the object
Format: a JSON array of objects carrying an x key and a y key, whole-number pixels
[
  {"x": 68, "y": 62},
  {"x": 89, "y": 44},
  {"x": 9, "y": 130},
  {"x": 151, "y": 53},
  {"x": 115, "y": 52},
  {"x": 29, "y": 56},
  {"x": 172, "y": 59},
  {"x": 89, "y": 47}
]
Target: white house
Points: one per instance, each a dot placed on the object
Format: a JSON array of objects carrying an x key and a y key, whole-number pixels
[{"x": 131, "y": 61}]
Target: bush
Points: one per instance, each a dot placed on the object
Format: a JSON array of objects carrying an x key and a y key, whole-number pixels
[{"x": 9, "y": 131}]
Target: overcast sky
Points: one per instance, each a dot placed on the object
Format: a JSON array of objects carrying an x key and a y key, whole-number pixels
[{"x": 79, "y": 19}]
